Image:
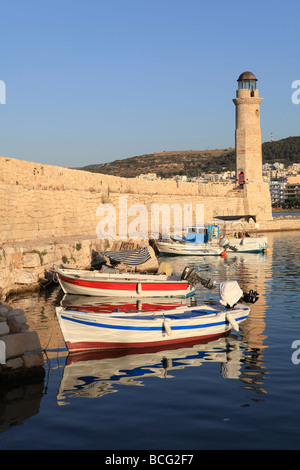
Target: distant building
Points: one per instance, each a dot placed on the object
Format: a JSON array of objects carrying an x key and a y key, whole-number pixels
[
  {"x": 277, "y": 191},
  {"x": 148, "y": 176},
  {"x": 292, "y": 191}
]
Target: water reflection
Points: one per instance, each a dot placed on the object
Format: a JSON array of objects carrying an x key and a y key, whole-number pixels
[
  {"x": 96, "y": 374},
  {"x": 255, "y": 364},
  {"x": 240, "y": 357},
  {"x": 251, "y": 271},
  {"x": 110, "y": 304},
  {"x": 19, "y": 403}
]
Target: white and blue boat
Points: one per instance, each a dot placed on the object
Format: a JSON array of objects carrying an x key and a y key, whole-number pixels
[
  {"x": 86, "y": 331},
  {"x": 204, "y": 240}
]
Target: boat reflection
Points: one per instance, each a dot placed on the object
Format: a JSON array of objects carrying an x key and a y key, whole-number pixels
[
  {"x": 83, "y": 303},
  {"x": 96, "y": 374},
  {"x": 240, "y": 357}
]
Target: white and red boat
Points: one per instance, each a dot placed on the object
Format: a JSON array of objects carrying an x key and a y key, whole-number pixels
[
  {"x": 95, "y": 283},
  {"x": 84, "y": 331}
]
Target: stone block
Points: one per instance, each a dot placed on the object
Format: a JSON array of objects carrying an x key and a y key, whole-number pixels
[
  {"x": 20, "y": 343},
  {"x": 3, "y": 310},
  {"x": 4, "y": 328},
  {"x": 15, "y": 311},
  {"x": 33, "y": 359},
  {"x": 23, "y": 276},
  {"x": 31, "y": 260},
  {"x": 17, "y": 323},
  {"x": 15, "y": 363}
]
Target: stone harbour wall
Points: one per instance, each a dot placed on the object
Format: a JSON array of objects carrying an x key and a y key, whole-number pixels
[
  {"x": 28, "y": 265},
  {"x": 20, "y": 349},
  {"x": 43, "y": 201},
  {"x": 49, "y": 215}
]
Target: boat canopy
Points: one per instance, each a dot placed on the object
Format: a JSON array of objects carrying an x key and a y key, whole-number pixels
[
  {"x": 129, "y": 257},
  {"x": 202, "y": 233},
  {"x": 236, "y": 217}
]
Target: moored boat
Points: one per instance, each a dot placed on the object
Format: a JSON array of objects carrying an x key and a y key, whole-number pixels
[
  {"x": 199, "y": 240},
  {"x": 83, "y": 331},
  {"x": 205, "y": 240},
  {"x": 95, "y": 283}
]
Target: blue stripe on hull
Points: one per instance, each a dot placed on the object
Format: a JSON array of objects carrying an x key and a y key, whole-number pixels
[{"x": 150, "y": 328}]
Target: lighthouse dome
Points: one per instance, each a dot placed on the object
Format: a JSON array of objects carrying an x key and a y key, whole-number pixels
[
  {"x": 247, "y": 76},
  {"x": 247, "y": 80}
]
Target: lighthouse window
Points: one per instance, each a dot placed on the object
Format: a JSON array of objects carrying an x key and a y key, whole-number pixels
[{"x": 247, "y": 85}]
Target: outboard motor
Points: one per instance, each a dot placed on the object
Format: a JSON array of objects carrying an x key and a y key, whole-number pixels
[
  {"x": 224, "y": 243},
  {"x": 193, "y": 278},
  {"x": 251, "y": 297},
  {"x": 231, "y": 293}
]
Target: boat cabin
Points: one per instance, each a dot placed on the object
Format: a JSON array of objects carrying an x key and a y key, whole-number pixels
[{"x": 202, "y": 233}]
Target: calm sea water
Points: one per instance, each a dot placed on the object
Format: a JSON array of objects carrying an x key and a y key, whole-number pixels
[{"x": 240, "y": 392}]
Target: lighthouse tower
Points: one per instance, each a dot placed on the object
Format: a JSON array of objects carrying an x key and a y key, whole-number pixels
[{"x": 247, "y": 129}]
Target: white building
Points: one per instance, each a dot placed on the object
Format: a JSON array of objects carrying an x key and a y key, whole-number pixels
[{"x": 277, "y": 191}]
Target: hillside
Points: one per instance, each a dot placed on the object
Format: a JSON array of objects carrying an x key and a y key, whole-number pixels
[{"x": 195, "y": 162}]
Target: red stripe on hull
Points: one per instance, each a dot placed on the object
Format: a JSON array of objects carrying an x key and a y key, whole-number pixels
[
  {"x": 94, "y": 346},
  {"x": 115, "y": 353},
  {"x": 126, "y": 286}
]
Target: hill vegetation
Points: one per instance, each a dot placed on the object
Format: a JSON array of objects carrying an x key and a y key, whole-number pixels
[{"x": 195, "y": 162}]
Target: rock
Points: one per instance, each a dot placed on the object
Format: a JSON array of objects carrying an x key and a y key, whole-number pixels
[
  {"x": 23, "y": 276},
  {"x": 21, "y": 355},
  {"x": 18, "y": 344},
  {"x": 15, "y": 363},
  {"x": 15, "y": 312},
  {"x": 33, "y": 359},
  {"x": 4, "y": 328},
  {"x": 31, "y": 260},
  {"x": 3, "y": 310},
  {"x": 17, "y": 323}
]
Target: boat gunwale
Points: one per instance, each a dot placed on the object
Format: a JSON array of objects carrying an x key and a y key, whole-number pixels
[{"x": 122, "y": 277}]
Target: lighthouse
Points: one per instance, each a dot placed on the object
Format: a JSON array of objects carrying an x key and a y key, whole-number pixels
[{"x": 247, "y": 130}]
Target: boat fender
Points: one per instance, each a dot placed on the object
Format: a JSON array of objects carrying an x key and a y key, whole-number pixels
[
  {"x": 232, "y": 321},
  {"x": 223, "y": 254},
  {"x": 167, "y": 327},
  {"x": 139, "y": 288}
]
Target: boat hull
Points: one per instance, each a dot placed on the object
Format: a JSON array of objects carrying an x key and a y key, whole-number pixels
[
  {"x": 241, "y": 245},
  {"x": 249, "y": 244},
  {"x": 186, "y": 249},
  {"x": 84, "y": 331},
  {"x": 123, "y": 285}
]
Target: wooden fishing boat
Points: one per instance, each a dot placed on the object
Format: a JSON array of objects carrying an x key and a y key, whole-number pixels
[
  {"x": 83, "y": 331},
  {"x": 205, "y": 240},
  {"x": 106, "y": 283}
]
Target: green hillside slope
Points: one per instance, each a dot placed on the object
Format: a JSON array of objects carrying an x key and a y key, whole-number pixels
[{"x": 196, "y": 162}]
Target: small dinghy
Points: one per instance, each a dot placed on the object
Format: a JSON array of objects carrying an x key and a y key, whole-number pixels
[
  {"x": 111, "y": 282},
  {"x": 83, "y": 331}
]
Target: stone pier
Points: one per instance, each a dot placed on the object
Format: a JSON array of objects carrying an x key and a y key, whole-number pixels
[{"x": 21, "y": 354}]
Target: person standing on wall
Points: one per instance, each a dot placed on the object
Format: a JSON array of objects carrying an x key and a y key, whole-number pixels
[{"x": 241, "y": 180}]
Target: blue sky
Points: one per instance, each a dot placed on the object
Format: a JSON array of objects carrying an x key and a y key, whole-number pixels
[{"x": 92, "y": 81}]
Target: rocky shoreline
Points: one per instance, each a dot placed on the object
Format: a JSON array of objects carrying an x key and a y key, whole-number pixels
[{"x": 21, "y": 355}]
